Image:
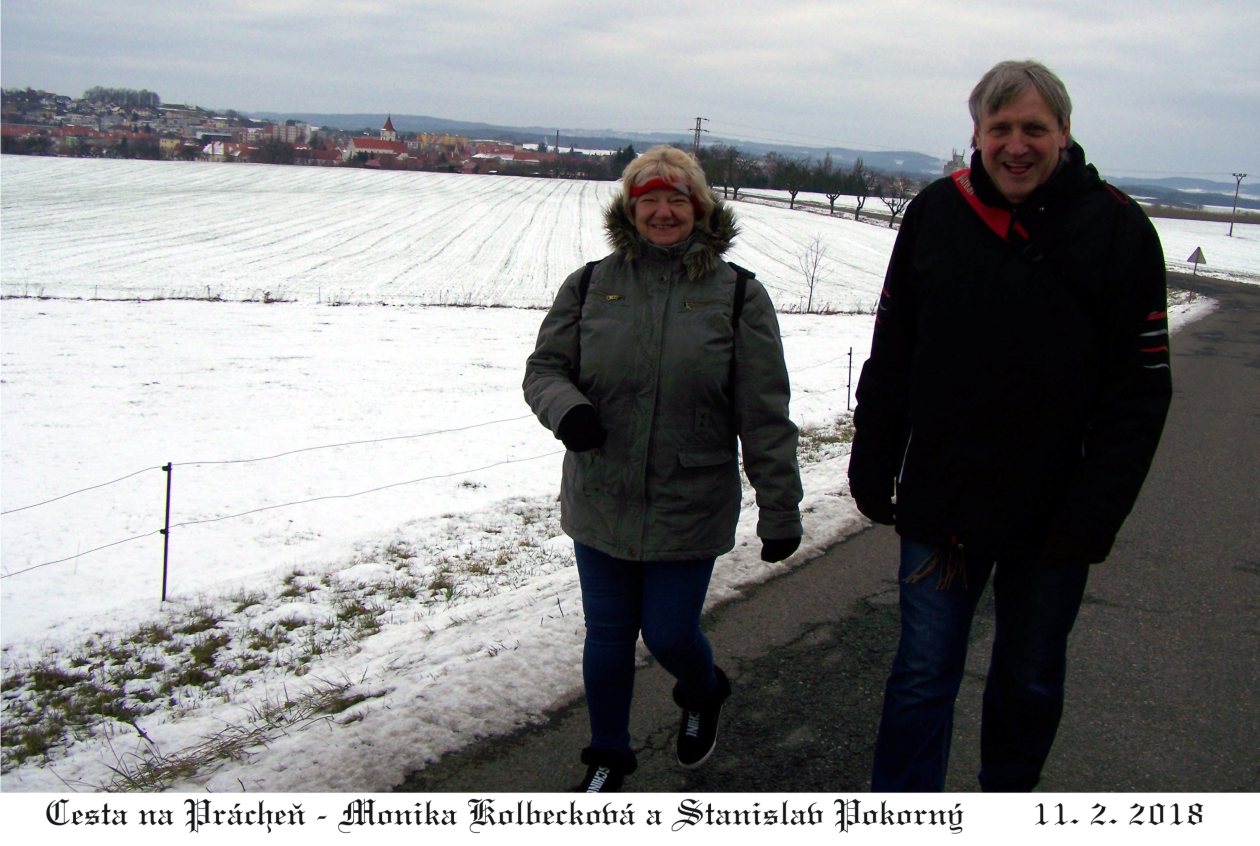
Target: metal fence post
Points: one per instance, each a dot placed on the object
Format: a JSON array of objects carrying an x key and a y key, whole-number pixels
[
  {"x": 166, "y": 528},
  {"x": 848, "y": 390}
]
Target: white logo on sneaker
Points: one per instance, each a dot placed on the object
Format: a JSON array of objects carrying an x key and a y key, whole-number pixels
[
  {"x": 693, "y": 723},
  {"x": 597, "y": 780}
]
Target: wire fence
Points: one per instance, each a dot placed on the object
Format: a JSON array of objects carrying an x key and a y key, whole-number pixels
[{"x": 170, "y": 467}]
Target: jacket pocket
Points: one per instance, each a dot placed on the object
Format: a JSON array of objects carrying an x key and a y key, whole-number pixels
[
  {"x": 705, "y": 472},
  {"x": 703, "y": 305},
  {"x": 592, "y": 473},
  {"x": 714, "y": 457}
]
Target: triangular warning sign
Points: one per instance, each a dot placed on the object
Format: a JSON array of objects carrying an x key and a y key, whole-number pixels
[{"x": 1197, "y": 256}]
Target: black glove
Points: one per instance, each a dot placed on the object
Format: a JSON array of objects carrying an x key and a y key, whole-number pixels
[
  {"x": 776, "y": 549},
  {"x": 580, "y": 429},
  {"x": 877, "y": 510}
]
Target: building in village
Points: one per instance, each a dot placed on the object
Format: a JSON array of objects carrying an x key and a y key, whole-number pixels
[{"x": 376, "y": 151}]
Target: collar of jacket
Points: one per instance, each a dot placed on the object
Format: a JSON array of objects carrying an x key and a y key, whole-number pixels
[
  {"x": 701, "y": 252},
  {"x": 1072, "y": 178}
]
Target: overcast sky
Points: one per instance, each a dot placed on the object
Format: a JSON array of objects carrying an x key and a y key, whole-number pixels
[{"x": 1161, "y": 87}]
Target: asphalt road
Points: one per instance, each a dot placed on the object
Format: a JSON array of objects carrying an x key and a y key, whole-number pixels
[{"x": 1164, "y": 673}]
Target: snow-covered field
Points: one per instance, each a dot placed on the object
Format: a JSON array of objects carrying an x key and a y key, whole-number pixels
[
  {"x": 83, "y": 228},
  {"x": 319, "y": 433}
]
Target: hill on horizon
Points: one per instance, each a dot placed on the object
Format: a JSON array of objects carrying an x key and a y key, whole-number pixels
[{"x": 896, "y": 161}]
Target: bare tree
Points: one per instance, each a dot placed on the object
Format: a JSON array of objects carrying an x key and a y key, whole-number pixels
[
  {"x": 894, "y": 192},
  {"x": 860, "y": 180},
  {"x": 788, "y": 174},
  {"x": 810, "y": 261},
  {"x": 731, "y": 168},
  {"x": 718, "y": 164},
  {"x": 828, "y": 181},
  {"x": 747, "y": 171}
]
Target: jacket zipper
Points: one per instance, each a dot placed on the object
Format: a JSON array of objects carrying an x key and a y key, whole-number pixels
[{"x": 904, "y": 457}]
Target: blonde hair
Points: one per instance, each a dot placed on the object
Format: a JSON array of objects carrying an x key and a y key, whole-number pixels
[{"x": 673, "y": 166}]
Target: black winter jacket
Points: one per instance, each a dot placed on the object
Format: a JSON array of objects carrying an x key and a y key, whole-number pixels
[{"x": 1017, "y": 386}]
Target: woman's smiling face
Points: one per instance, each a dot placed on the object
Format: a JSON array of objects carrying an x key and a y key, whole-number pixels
[{"x": 664, "y": 217}]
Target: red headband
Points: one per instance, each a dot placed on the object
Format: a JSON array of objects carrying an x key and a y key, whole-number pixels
[{"x": 658, "y": 184}]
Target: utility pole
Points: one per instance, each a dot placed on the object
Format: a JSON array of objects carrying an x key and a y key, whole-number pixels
[
  {"x": 1238, "y": 178},
  {"x": 695, "y": 147}
]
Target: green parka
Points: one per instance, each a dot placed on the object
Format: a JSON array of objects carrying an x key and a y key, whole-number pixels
[{"x": 653, "y": 348}]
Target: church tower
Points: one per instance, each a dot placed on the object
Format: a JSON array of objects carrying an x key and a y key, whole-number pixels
[{"x": 387, "y": 131}]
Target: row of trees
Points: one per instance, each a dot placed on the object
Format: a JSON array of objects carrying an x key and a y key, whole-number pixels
[
  {"x": 142, "y": 147},
  {"x": 733, "y": 170},
  {"x": 125, "y": 97}
]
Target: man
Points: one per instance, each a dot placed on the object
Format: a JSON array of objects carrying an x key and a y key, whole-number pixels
[{"x": 1014, "y": 397}]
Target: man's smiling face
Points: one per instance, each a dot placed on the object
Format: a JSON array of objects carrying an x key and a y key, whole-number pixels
[{"x": 1020, "y": 145}]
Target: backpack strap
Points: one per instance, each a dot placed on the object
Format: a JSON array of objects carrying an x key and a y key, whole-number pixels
[
  {"x": 742, "y": 275},
  {"x": 584, "y": 283}
]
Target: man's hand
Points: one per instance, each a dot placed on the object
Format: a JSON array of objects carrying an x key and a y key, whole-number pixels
[{"x": 877, "y": 510}]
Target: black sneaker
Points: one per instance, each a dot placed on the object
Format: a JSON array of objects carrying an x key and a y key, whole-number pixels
[
  {"x": 697, "y": 735},
  {"x": 606, "y": 770}
]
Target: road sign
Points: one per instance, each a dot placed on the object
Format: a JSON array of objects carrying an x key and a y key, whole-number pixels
[{"x": 1197, "y": 258}]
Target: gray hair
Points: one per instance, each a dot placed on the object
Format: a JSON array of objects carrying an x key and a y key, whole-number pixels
[{"x": 1007, "y": 80}]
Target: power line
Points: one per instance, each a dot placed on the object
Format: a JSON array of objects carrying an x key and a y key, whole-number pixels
[{"x": 802, "y": 140}]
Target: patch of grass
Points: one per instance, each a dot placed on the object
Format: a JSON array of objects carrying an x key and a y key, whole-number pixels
[
  {"x": 202, "y": 619},
  {"x": 402, "y": 589},
  {"x": 479, "y": 567},
  {"x": 831, "y": 440},
  {"x": 204, "y": 649},
  {"x": 204, "y": 653},
  {"x": 152, "y": 634},
  {"x": 193, "y": 675},
  {"x": 399, "y": 551},
  {"x": 442, "y": 585},
  {"x": 246, "y": 599},
  {"x": 152, "y": 771},
  {"x": 269, "y": 639},
  {"x": 50, "y": 678},
  {"x": 293, "y": 586}
]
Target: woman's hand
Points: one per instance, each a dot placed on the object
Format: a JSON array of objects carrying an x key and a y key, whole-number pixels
[
  {"x": 776, "y": 549},
  {"x": 580, "y": 429}
]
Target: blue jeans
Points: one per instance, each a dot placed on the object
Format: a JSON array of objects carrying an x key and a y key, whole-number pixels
[
  {"x": 663, "y": 599},
  {"x": 1035, "y": 607}
]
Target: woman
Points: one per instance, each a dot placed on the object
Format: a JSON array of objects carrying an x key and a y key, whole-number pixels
[{"x": 649, "y": 365}]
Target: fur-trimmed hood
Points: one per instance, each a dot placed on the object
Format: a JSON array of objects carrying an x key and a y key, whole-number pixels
[{"x": 709, "y": 240}]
